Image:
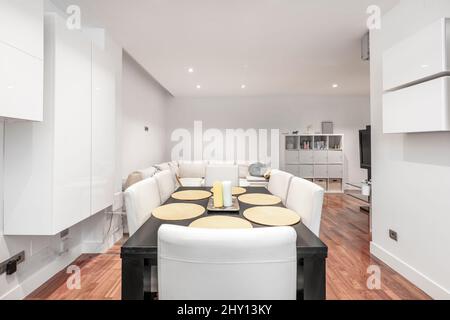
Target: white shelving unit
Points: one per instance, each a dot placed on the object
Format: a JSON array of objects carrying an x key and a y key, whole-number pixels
[{"x": 318, "y": 158}]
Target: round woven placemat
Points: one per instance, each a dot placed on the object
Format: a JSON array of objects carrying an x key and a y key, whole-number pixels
[
  {"x": 236, "y": 191},
  {"x": 221, "y": 222},
  {"x": 178, "y": 211},
  {"x": 191, "y": 195},
  {"x": 272, "y": 216},
  {"x": 260, "y": 199}
]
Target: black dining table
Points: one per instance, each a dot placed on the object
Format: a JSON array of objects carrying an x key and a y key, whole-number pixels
[{"x": 140, "y": 252}]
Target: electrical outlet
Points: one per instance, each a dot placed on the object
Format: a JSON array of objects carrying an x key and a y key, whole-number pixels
[
  {"x": 10, "y": 266},
  {"x": 393, "y": 235}
]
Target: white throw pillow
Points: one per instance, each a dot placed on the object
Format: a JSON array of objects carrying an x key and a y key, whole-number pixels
[
  {"x": 192, "y": 169},
  {"x": 148, "y": 173}
]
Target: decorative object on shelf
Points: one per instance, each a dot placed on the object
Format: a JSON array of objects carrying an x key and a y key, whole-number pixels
[
  {"x": 295, "y": 132},
  {"x": 309, "y": 129},
  {"x": 327, "y": 127}
]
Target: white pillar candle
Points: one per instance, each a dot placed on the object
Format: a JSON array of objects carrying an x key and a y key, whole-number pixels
[{"x": 227, "y": 194}]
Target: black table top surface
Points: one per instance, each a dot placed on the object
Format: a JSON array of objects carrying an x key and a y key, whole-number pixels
[{"x": 145, "y": 241}]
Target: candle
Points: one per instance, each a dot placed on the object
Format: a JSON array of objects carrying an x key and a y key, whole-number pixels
[
  {"x": 227, "y": 194},
  {"x": 218, "y": 195}
]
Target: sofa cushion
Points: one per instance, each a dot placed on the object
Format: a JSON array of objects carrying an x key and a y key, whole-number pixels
[
  {"x": 162, "y": 166},
  {"x": 192, "y": 169},
  {"x": 148, "y": 173}
]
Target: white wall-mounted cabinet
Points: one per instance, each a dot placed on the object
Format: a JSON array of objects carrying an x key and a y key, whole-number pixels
[
  {"x": 421, "y": 108},
  {"x": 103, "y": 129},
  {"x": 21, "y": 59},
  {"x": 424, "y": 54},
  {"x": 59, "y": 172},
  {"x": 416, "y": 75}
]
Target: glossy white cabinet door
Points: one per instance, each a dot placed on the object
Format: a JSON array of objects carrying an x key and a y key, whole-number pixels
[
  {"x": 103, "y": 129},
  {"x": 21, "y": 85},
  {"x": 72, "y": 136},
  {"x": 421, "y": 108},
  {"x": 423, "y": 54},
  {"x": 22, "y": 25}
]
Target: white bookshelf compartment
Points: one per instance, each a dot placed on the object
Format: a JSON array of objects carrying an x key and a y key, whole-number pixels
[{"x": 317, "y": 158}]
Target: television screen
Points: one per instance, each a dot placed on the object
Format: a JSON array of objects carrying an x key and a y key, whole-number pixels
[{"x": 365, "y": 148}]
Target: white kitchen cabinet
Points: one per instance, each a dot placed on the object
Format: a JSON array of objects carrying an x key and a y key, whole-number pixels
[
  {"x": 424, "y": 107},
  {"x": 22, "y": 25},
  {"x": 424, "y": 54},
  {"x": 21, "y": 85},
  {"x": 48, "y": 164},
  {"x": 103, "y": 129},
  {"x": 21, "y": 59}
]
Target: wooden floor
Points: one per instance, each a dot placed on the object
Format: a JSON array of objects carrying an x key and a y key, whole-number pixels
[{"x": 344, "y": 230}]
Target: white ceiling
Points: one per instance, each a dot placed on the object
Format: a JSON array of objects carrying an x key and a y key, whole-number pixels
[{"x": 274, "y": 47}]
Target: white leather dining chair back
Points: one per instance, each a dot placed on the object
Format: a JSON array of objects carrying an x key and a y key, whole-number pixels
[
  {"x": 166, "y": 184},
  {"x": 213, "y": 264},
  {"x": 216, "y": 173},
  {"x": 279, "y": 184},
  {"x": 306, "y": 198},
  {"x": 140, "y": 200}
]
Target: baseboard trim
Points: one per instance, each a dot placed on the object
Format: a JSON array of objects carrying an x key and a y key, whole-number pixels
[
  {"x": 420, "y": 280},
  {"x": 33, "y": 282}
]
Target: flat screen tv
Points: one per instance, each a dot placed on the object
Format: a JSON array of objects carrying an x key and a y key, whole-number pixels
[{"x": 365, "y": 148}]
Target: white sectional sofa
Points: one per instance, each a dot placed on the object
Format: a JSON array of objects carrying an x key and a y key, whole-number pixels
[{"x": 192, "y": 173}]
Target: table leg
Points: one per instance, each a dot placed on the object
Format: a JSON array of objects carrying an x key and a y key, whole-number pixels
[
  {"x": 132, "y": 278},
  {"x": 315, "y": 278}
]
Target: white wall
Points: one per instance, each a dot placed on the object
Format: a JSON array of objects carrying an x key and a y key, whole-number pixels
[
  {"x": 349, "y": 114},
  {"x": 93, "y": 235},
  {"x": 144, "y": 105},
  {"x": 411, "y": 172}
]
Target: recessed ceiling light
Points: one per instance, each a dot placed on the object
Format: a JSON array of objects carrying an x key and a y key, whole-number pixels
[
  {"x": 335, "y": 85},
  {"x": 243, "y": 86},
  {"x": 199, "y": 86},
  {"x": 191, "y": 70},
  {"x": 425, "y": 66}
]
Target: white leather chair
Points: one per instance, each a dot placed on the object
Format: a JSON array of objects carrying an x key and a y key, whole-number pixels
[
  {"x": 208, "y": 264},
  {"x": 140, "y": 200},
  {"x": 279, "y": 184},
  {"x": 166, "y": 184},
  {"x": 216, "y": 173},
  {"x": 306, "y": 198}
]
